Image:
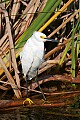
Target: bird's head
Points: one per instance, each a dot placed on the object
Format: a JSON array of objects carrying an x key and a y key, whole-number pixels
[
  {"x": 42, "y": 37},
  {"x": 39, "y": 36}
]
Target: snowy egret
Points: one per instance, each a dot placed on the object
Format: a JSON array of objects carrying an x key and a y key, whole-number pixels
[{"x": 32, "y": 56}]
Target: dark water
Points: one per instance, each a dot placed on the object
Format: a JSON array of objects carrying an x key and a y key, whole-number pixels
[{"x": 23, "y": 113}]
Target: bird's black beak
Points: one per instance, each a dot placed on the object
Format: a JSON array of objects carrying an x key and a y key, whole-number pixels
[{"x": 51, "y": 40}]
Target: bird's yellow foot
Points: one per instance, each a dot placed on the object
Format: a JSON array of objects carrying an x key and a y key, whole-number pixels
[
  {"x": 28, "y": 100},
  {"x": 45, "y": 101}
]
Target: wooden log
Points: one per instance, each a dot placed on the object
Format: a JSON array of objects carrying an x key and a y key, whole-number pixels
[
  {"x": 11, "y": 104},
  {"x": 51, "y": 101},
  {"x": 56, "y": 77}
]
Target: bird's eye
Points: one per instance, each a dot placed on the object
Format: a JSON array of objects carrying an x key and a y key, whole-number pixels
[{"x": 42, "y": 37}]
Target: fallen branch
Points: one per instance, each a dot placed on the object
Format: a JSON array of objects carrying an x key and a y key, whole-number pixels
[
  {"x": 17, "y": 103},
  {"x": 52, "y": 102},
  {"x": 56, "y": 77},
  {"x": 9, "y": 104}
]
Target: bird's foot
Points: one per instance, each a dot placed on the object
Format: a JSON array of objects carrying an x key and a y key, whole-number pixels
[
  {"x": 28, "y": 100},
  {"x": 45, "y": 101}
]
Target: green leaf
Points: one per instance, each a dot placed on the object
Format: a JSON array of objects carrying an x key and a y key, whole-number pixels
[
  {"x": 65, "y": 52},
  {"x": 68, "y": 45}
]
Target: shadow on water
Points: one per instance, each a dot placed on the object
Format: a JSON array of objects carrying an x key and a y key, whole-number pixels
[{"x": 39, "y": 113}]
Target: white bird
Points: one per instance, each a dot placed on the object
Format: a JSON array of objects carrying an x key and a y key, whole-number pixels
[{"x": 32, "y": 56}]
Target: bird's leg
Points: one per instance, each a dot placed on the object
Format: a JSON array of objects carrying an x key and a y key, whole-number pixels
[
  {"x": 27, "y": 99},
  {"x": 30, "y": 87},
  {"x": 27, "y": 86},
  {"x": 39, "y": 86}
]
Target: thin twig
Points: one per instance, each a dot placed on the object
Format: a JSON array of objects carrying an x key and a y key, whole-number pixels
[{"x": 64, "y": 23}]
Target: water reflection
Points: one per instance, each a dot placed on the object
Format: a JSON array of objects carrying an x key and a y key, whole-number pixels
[{"x": 37, "y": 114}]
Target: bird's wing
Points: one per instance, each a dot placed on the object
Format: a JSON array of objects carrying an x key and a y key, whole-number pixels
[{"x": 26, "y": 57}]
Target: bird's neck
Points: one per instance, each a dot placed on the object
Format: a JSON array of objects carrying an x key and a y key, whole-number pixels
[{"x": 38, "y": 42}]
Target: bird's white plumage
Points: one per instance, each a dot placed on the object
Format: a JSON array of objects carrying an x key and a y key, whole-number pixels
[{"x": 32, "y": 54}]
